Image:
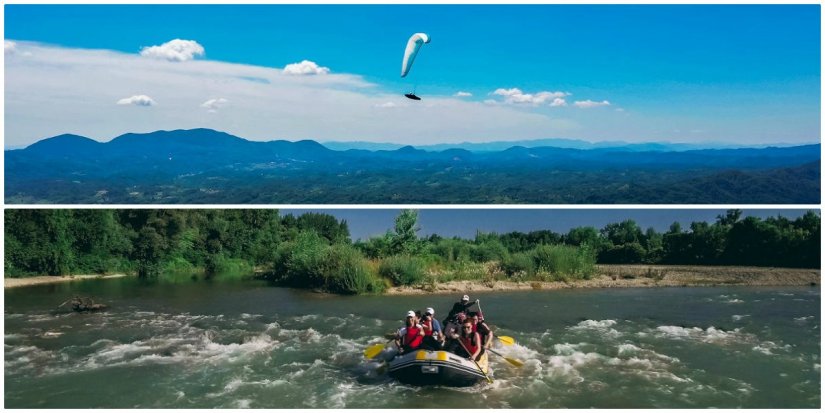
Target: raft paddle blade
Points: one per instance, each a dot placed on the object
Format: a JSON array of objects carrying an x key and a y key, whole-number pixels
[
  {"x": 506, "y": 340},
  {"x": 373, "y": 350},
  {"x": 515, "y": 362}
]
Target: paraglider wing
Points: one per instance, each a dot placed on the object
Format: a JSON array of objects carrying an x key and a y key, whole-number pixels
[
  {"x": 413, "y": 45},
  {"x": 412, "y": 96}
]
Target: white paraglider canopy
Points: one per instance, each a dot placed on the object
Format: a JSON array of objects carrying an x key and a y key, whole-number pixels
[{"x": 413, "y": 45}]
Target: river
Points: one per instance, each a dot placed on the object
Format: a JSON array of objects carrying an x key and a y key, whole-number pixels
[{"x": 201, "y": 344}]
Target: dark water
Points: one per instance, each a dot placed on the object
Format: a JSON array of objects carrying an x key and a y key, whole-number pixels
[{"x": 196, "y": 344}]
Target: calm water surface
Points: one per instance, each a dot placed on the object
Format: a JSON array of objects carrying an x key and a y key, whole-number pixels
[{"x": 200, "y": 344}]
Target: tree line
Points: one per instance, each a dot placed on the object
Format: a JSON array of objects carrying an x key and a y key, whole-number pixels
[{"x": 315, "y": 250}]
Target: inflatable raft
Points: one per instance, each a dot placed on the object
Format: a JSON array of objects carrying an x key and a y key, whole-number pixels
[{"x": 426, "y": 367}]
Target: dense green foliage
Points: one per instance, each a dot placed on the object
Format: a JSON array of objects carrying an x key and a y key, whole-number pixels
[{"x": 314, "y": 250}]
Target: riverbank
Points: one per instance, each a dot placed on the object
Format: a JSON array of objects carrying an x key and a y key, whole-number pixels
[
  {"x": 51, "y": 279},
  {"x": 625, "y": 276},
  {"x": 607, "y": 276}
]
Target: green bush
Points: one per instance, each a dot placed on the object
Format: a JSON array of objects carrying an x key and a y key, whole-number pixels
[
  {"x": 403, "y": 270},
  {"x": 348, "y": 272},
  {"x": 177, "y": 265},
  {"x": 519, "y": 266},
  {"x": 232, "y": 268},
  {"x": 563, "y": 262},
  {"x": 489, "y": 250},
  {"x": 300, "y": 263}
]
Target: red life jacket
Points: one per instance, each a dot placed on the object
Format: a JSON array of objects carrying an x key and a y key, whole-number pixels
[
  {"x": 428, "y": 328},
  {"x": 469, "y": 343},
  {"x": 412, "y": 339}
]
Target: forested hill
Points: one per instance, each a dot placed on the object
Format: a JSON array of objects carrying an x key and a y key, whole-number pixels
[{"x": 206, "y": 166}]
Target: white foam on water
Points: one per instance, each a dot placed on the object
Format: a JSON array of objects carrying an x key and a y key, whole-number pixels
[
  {"x": 737, "y": 317},
  {"x": 709, "y": 335},
  {"x": 568, "y": 365},
  {"x": 52, "y": 334},
  {"x": 656, "y": 376},
  {"x": 804, "y": 319},
  {"x": 309, "y": 335},
  {"x": 307, "y": 317},
  {"x": 628, "y": 348},
  {"x": 567, "y": 348},
  {"x": 595, "y": 324},
  {"x": 12, "y": 337},
  {"x": 816, "y": 367},
  {"x": 23, "y": 358},
  {"x": 38, "y": 318},
  {"x": 600, "y": 326},
  {"x": 769, "y": 347},
  {"x": 338, "y": 399},
  {"x": 242, "y": 403},
  {"x": 677, "y": 331},
  {"x": 143, "y": 313}
]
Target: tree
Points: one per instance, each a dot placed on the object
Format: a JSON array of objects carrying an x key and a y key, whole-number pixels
[{"x": 405, "y": 238}]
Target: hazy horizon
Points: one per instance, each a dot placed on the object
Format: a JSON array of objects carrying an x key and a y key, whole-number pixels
[{"x": 596, "y": 143}]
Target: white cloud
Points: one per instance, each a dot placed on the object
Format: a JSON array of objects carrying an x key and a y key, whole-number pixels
[
  {"x": 306, "y": 67},
  {"x": 461, "y": 94},
  {"x": 212, "y": 105},
  {"x": 386, "y": 105},
  {"x": 62, "y": 90},
  {"x": 137, "y": 100},
  {"x": 587, "y": 104},
  {"x": 9, "y": 47},
  {"x": 176, "y": 50},
  {"x": 517, "y": 97}
]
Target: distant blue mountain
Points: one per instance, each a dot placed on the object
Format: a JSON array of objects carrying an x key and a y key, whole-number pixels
[
  {"x": 496, "y": 146},
  {"x": 189, "y": 162}
]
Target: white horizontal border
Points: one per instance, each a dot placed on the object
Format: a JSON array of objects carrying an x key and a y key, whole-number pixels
[
  {"x": 415, "y": 206},
  {"x": 407, "y": 2}
]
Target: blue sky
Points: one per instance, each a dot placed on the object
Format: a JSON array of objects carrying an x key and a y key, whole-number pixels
[
  {"x": 366, "y": 223},
  {"x": 697, "y": 73}
]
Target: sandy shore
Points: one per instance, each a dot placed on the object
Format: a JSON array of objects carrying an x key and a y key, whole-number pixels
[
  {"x": 618, "y": 276},
  {"x": 49, "y": 279},
  {"x": 608, "y": 276}
]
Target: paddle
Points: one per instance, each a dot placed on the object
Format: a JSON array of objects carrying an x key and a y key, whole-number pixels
[
  {"x": 515, "y": 362},
  {"x": 375, "y": 349},
  {"x": 506, "y": 340},
  {"x": 489, "y": 380}
]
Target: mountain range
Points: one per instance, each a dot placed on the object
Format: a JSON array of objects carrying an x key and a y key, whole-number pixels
[{"x": 207, "y": 166}]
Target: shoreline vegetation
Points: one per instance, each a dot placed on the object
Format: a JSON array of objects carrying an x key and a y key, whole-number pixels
[
  {"x": 606, "y": 276},
  {"x": 314, "y": 251}
]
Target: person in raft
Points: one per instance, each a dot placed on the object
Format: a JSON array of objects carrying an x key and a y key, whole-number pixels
[
  {"x": 411, "y": 336},
  {"x": 484, "y": 331},
  {"x": 460, "y": 307},
  {"x": 433, "y": 335},
  {"x": 470, "y": 343}
]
